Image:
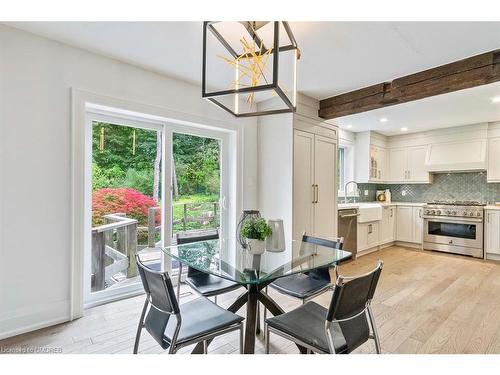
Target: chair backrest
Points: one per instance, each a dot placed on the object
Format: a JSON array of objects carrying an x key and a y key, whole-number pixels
[
  {"x": 160, "y": 294},
  {"x": 190, "y": 237},
  {"x": 158, "y": 288},
  {"x": 336, "y": 243},
  {"x": 351, "y": 297}
]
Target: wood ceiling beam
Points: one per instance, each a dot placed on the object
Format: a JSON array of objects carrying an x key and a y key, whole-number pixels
[{"x": 463, "y": 74}]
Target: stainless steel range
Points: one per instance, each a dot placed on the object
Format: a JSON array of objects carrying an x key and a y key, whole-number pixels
[{"x": 454, "y": 227}]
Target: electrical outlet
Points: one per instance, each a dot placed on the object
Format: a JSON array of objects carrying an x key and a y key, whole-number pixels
[
  {"x": 403, "y": 193},
  {"x": 366, "y": 193}
]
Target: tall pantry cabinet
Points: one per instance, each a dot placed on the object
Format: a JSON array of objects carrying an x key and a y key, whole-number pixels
[
  {"x": 314, "y": 182},
  {"x": 297, "y": 171}
]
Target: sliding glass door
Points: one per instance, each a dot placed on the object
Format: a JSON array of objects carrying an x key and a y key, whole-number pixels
[{"x": 147, "y": 183}]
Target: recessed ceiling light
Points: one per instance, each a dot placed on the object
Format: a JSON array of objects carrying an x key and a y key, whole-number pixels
[
  {"x": 349, "y": 126},
  {"x": 405, "y": 129},
  {"x": 383, "y": 119},
  {"x": 496, "y": 99}
]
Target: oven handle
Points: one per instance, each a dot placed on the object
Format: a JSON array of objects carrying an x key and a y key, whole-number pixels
[{"x": 461, "y": 220}]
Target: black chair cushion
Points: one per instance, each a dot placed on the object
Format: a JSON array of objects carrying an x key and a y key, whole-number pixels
[
  {"x": 209, "y": 285},
  {"x": 301, "y": 285},
  {"x": 199, "y": 317},
  {"x": 307, "y": 324}
]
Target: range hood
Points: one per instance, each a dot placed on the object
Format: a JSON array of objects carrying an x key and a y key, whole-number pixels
[{"x": 457, "y": 156}]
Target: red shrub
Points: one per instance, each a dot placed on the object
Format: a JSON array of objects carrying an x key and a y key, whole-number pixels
[{"x": 131, "y": 202}]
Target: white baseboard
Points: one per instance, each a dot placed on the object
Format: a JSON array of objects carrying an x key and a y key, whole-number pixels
[
  {"x": 16, "y": 322},
  {"x": 490, "y": 256},
  {"x": 367, "y": 251},
  {"x": 418, "y": 246}
]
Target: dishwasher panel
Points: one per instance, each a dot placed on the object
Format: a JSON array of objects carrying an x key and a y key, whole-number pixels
[{"x": 348, "y": 228}]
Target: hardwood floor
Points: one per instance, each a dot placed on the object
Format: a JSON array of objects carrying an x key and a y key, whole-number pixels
[{"x": 426, "y": 302}]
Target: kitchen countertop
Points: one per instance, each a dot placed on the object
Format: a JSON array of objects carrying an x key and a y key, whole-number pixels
[
  {"x": 359, "y": 204},
  {"x": 489, "y": 207}
]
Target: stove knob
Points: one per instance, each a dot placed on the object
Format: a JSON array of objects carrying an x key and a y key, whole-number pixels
[
  {"x": 438, "y": 212},
  {"x": 471, "y": 214},
  {"x": 478, "y": 214},
  {"x": 433, "y": 212},
  {"x": 427, "y": 212},
  {"x": 448, "y": 213},
  {"x": 454, "y": 213}
]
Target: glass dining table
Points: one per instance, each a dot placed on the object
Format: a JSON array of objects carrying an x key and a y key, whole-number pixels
[{"x": 227, "y": 259}]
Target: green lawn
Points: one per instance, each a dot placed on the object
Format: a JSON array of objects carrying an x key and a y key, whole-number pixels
[{"x": 197, "y": 206}]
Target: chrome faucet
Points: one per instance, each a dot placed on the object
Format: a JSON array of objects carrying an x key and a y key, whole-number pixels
[{"x": 345, "y": 190}]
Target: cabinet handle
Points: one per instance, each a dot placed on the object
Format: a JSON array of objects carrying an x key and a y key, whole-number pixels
[
  {"x": 317, "y": 194},
  {"x": 391, "y": 212},
  {"x": 313, "y": 193},
  {"x": 488, "y": 217},
  {"x": 379, "y": 174},
  {"x": 370, "y": 229},
  {"x": 420, "y": 213},
  {"x": 409, "y": 175}
]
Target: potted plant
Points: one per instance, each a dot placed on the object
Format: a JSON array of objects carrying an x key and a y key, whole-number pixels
[{"x": 255, "y": 231}]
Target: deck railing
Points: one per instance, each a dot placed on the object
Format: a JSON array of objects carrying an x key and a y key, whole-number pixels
[{"x": 116, "y": 239}]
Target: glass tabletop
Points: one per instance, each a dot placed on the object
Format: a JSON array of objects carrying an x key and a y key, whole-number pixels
[{"x": 227, "y": 259}]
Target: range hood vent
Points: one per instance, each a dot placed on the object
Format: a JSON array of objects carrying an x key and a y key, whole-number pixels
[{"x": 457, "y": 156}]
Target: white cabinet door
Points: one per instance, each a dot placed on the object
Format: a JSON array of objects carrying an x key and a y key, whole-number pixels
[
  {"x": 417, "y": 171},
  {"x": 493, "y": 171},
  {"x": 404, "y": 226},
  {"x": 492, "y": 226},
  {"x": 385, "y": 226},
  {"x": 362, "y": 236},
  {"x": 418, "y": 225},
  {"x": 398, "y": 162},
  {"x": 368, "y": 235},
  {"x": 382, "y": 164},
  {"x": 325, "y": 173},
  {"x": 373, "y": 234},
  {"x": 303, "y": 180}
]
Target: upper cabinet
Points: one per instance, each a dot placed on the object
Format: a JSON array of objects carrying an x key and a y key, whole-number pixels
[
  {"x": 407, "y": 165},
  {"x": 494, "y": 160},
  {"x": 370, "y": 158}
]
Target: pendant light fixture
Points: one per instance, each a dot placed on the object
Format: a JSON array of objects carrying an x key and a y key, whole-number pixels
[{"x": 250, "y": 67}]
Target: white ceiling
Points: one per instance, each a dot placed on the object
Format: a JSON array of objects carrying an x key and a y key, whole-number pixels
[
  {"x": 463, "y": 107},
  {"x": 337, "y": 57}
]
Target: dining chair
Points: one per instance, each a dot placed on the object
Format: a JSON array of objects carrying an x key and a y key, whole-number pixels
[
  {"x": 308, "y": 285},
  {"x": 204, "y": 284},
  {"x": 341, "y": 328},
  {"x": 174, "y": 326}
]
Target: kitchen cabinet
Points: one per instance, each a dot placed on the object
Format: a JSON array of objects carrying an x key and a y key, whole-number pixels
[
  {"x": 370, "y": 158},
  {"x": 314, "y": 184},
  {"x": 493, "y": 167},
  {"x": 388, "y": 225},
  {"x": 368, "y": 235},
  {"x": 407, "y": 165},
  {"x": 378, "y": 163},
  {"x": 492, "y": 233},
  {"x": 409, "y": 226}
]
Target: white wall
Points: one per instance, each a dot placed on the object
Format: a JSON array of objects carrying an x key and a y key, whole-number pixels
[{"x": 36, "y": 75}]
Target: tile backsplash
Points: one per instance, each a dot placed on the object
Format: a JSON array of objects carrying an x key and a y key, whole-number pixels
[{"x": 446, "y": 186}]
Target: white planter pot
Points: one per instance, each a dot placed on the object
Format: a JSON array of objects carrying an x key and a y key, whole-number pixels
[{"x": 256, "y": 247}]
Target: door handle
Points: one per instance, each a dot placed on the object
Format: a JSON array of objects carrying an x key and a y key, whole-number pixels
[
  {"x": 313, "y": 193},
  {"x": 409, "y": 175},
  {"x": 391, "y": 212},
  {"x": 317, "y": 194}
]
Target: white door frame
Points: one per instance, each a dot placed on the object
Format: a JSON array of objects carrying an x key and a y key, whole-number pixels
[{"x": 231, "y": 160}]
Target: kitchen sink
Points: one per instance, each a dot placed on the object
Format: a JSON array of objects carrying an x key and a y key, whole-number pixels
[{"x": 369, "y": 212}]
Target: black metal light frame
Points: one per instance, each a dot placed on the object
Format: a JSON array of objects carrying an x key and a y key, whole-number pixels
[{"x": 208, "y": 27}]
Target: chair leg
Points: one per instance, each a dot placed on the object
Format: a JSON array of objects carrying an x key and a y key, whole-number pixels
[
  {"x": 241, "y": 337},
  {"x": 265, "y": 316},
  {"x": 374, "y": 330},
  {"x": 139, "y": 328},
  {"x": 257, "y": 324},
  {"x": 205, "y": 347},
  {"x": 266, "y": 338},
  {"x": 179, "y": 282}
]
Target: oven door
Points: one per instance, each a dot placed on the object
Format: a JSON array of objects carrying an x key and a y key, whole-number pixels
[{"x": 458, "y": 232}]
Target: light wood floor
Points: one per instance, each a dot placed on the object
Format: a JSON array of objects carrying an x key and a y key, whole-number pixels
[{"x": 426, "y": 302}]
